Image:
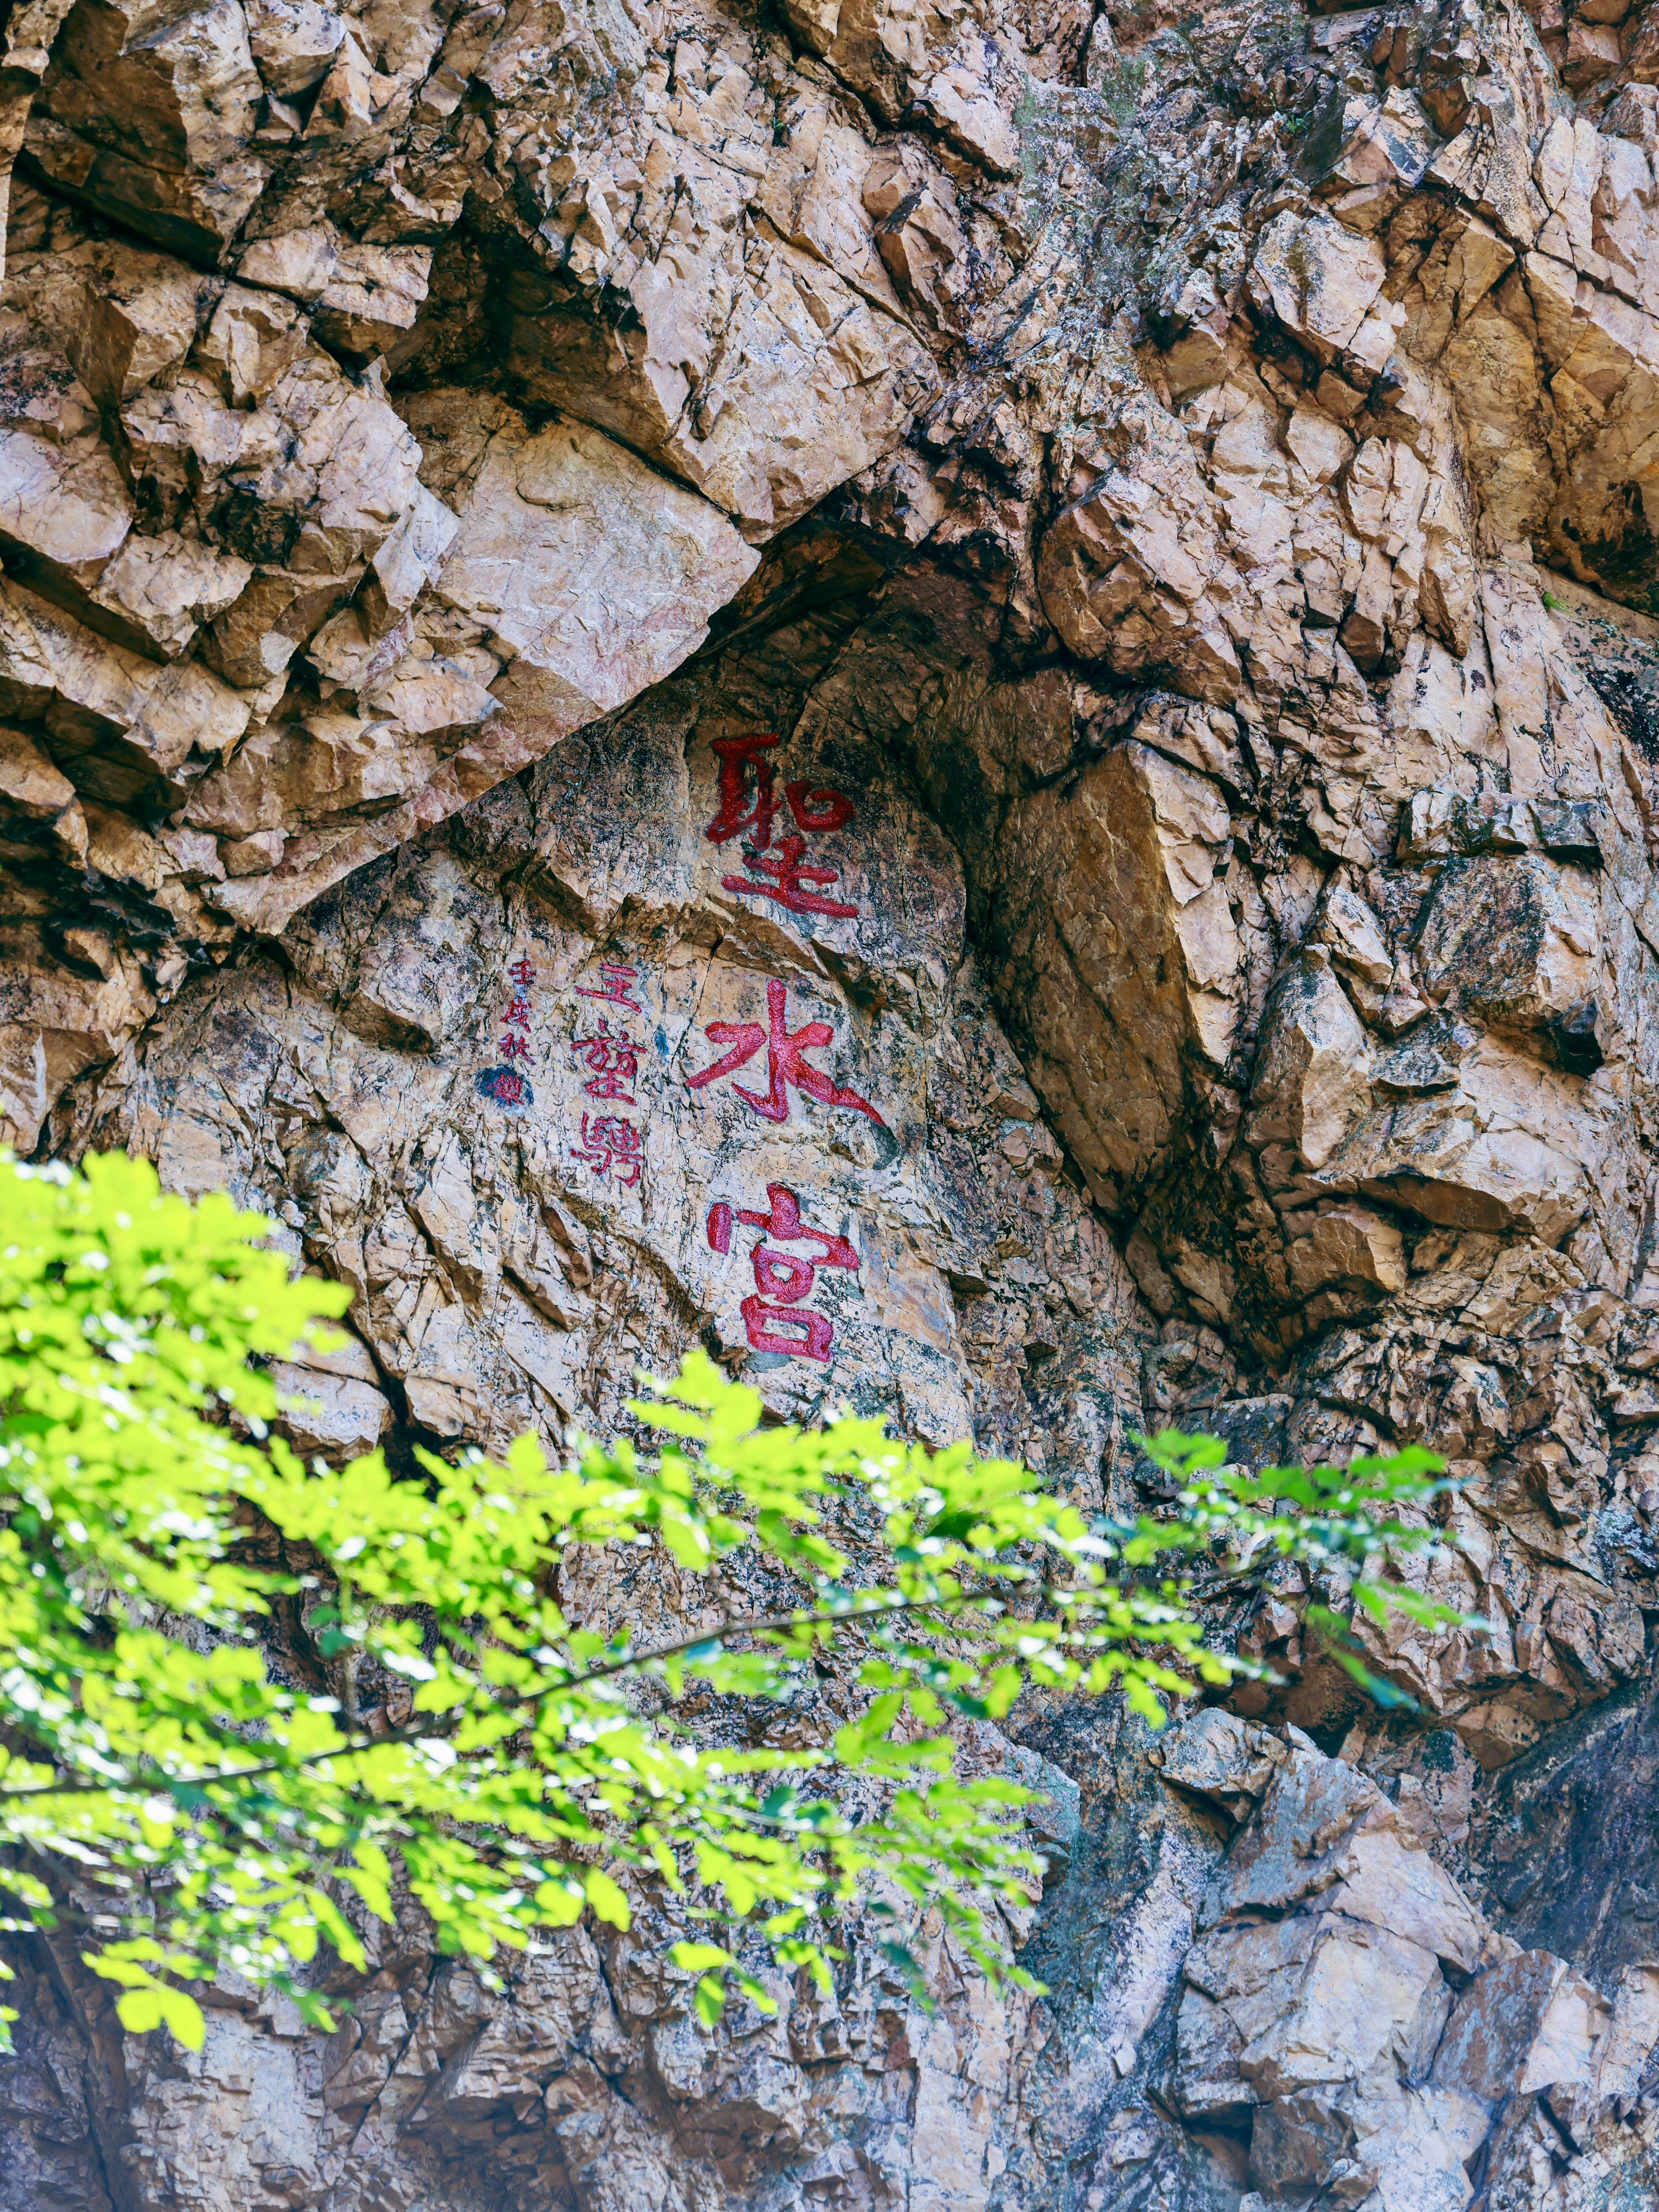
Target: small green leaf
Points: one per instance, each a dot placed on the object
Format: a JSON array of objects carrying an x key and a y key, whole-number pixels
[
  {"x": 608, "y": 1901},
  {"x": 156, "y": 2004},
  {"x": 695, "y": 1957}
]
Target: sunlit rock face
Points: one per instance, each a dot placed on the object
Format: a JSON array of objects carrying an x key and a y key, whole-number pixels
[{"x": 965, "y": 703}]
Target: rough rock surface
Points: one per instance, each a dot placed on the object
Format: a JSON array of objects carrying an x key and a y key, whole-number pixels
[{"x": 964, "y": 699}]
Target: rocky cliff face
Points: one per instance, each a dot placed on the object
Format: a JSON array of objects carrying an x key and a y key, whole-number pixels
[{"x": 965, "y": 700}]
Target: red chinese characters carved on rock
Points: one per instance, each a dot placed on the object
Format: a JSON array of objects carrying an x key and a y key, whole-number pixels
[
  {"x": 781, "y": 1280},
  {"x": 785, "y": 1061},
  {"x": 748, "y": 800},
  {"x": 611, "y": 1145},
  {"x": 617, "y": 980},
  {"x": 506, "y": 1085},
  {"x": 515, "y": 1044},
  {"x": 613, "y": 1058},
  {"x": 789, "y": 876}
]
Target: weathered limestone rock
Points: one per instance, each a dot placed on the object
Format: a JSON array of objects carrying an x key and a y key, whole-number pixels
[
  {"x": 656, "y": 1011},
  {"x": 1332, "y": 2032},
  {"x": 965, "y": 702}
]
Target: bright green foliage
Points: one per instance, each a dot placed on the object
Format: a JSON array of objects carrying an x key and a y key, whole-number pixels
[{"x": 179, "y": 1808}]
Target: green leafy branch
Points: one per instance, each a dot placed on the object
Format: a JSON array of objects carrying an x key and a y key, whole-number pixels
[{"x": 205, "y": 1813}]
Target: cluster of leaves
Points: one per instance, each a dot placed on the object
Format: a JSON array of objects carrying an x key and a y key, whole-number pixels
[{"x": 181, "y": 1810}]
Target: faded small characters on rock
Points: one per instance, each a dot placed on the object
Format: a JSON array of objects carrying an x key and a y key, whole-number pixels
[
  {"x": 506, "y": 1087},
  {"x": 610, "y": 1143}
]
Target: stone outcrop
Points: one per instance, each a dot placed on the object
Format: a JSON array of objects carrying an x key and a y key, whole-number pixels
[
  {"x": 966, "y": 702},
  {"x": 1384, "y": 2044}
]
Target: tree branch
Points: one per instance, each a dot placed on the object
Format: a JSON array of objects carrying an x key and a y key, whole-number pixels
[{"x": 438, "y": 1724}]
